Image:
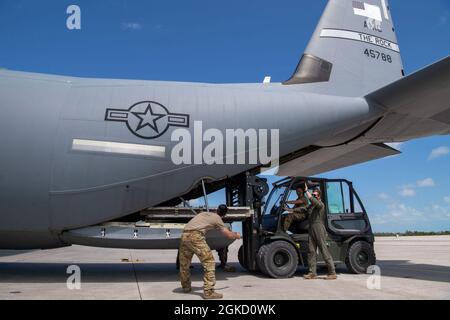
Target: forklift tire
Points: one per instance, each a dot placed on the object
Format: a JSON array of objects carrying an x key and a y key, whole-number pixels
[
  {"x": 242, "y": 261},
  {"x": 259, "y": 260},
  {"x": 241, "y": 258},
  {"x": 360, "y": 256},
  {"x": 278, "y": 259}
]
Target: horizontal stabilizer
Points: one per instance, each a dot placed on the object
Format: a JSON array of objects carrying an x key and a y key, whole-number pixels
[
  {"x": 417, "y": 105},
  {"x": 328, "y": 159}
]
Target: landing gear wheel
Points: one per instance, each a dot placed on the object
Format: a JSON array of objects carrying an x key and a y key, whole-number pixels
[
  {"x": 278, "y": 259},
  {"x": 360, "y": 256}
]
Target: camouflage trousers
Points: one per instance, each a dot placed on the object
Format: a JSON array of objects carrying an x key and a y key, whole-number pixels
[
  {"x": 292, "y": 217},
  {"x": 317, "y": 240},
  {"x": 223, "y": 256},
  {"x": 194, "y": 242}
]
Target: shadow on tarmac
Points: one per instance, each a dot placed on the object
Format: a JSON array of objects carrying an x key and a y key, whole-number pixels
[
  {"x": 24, "y": 272},
  {"x": 31, "y": 272},
  {"x": 406, "y": 269},
  {"x": 8, "y": 253}
]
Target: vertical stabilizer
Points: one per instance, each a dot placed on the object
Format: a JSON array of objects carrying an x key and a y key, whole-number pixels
[{"x": 353, "y": 51}]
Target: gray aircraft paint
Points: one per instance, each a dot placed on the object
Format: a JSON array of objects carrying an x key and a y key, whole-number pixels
[
  {"x": 353, "y": 76},
  {"x": 46, "y": 187}
]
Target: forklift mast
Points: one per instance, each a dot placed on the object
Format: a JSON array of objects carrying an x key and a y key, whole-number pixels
[{"x": 247, "y": 190}]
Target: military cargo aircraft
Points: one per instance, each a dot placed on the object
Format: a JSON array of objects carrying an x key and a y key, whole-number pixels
[{"x": 78, "y": 152}]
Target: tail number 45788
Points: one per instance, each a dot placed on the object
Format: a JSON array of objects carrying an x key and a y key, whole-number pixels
[{"x": 374, "y": 54}]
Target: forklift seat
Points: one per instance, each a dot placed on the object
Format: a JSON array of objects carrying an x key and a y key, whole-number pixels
[{"x": 299, "y": 227}]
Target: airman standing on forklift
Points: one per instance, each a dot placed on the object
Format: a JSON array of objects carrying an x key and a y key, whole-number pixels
[
  {"x": 193, "y": 242},
  {"x": 318, "y": 236},
  {"x": 297, "y": 212}
]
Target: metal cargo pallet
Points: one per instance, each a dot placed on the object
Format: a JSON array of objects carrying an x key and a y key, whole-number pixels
[{"x": 234, "y": 214}]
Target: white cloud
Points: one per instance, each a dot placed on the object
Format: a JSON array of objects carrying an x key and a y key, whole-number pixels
[
  {"x": 436, "y": 212},
  {"x": 132, "y": 26},
  {"x": 426, "y": 183},
  {"x": 447, "y": 199},
  {"x": 439, "y": 152},
  {"x": 383, "y": 196},
  {"x": 444, "y": 18},
  {"x": 407, "y": 191},
  {"x": 194, "y": 203},
  {"x": 397, "y": 214}
]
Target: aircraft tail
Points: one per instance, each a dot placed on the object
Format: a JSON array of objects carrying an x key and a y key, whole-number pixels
[{"x": 353, "y": 51}]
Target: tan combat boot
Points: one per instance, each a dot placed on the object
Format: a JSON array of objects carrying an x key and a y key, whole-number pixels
[
  {"x": 310, "y": 276},
  {"x": 212, "y": 295},
  {"x": 228, "y": 268},
  {"x": 332, "y": 276},
  {"x": 187, "y": 290}
]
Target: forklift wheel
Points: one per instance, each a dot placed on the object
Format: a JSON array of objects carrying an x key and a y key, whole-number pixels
[
  {"x": 278, "y": 259},
  {"x": 360, "y": 256},
  {"x": 241, "y": 257},
  {"x": 259, "y": 261}
]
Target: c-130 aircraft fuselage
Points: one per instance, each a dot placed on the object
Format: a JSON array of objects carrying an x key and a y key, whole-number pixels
[{"x": 78, "y": 152}]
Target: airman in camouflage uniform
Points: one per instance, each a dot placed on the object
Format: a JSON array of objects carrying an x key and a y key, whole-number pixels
[
  {"x": 298, "y": 212},
  {"x": 318, "y": 236},
  {"x": 193, "y": 242},
  {"x": 223, "y": 257}
]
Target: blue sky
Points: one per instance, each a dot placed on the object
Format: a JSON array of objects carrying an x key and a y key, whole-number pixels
[{"x": 238, "y": 41}]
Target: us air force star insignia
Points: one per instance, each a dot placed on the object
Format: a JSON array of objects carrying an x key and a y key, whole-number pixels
[{"x": 147, "y": 119}]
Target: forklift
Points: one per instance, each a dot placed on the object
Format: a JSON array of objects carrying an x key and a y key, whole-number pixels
[{"x": 267, "y": 248}]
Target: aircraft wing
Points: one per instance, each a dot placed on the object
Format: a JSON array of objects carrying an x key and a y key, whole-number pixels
[
  {"x": 417, "y": 105},
  {"x": 328, "y": 159}
]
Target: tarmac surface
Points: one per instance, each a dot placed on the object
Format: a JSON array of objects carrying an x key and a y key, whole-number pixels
[{"x": 411, "y": 268}]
